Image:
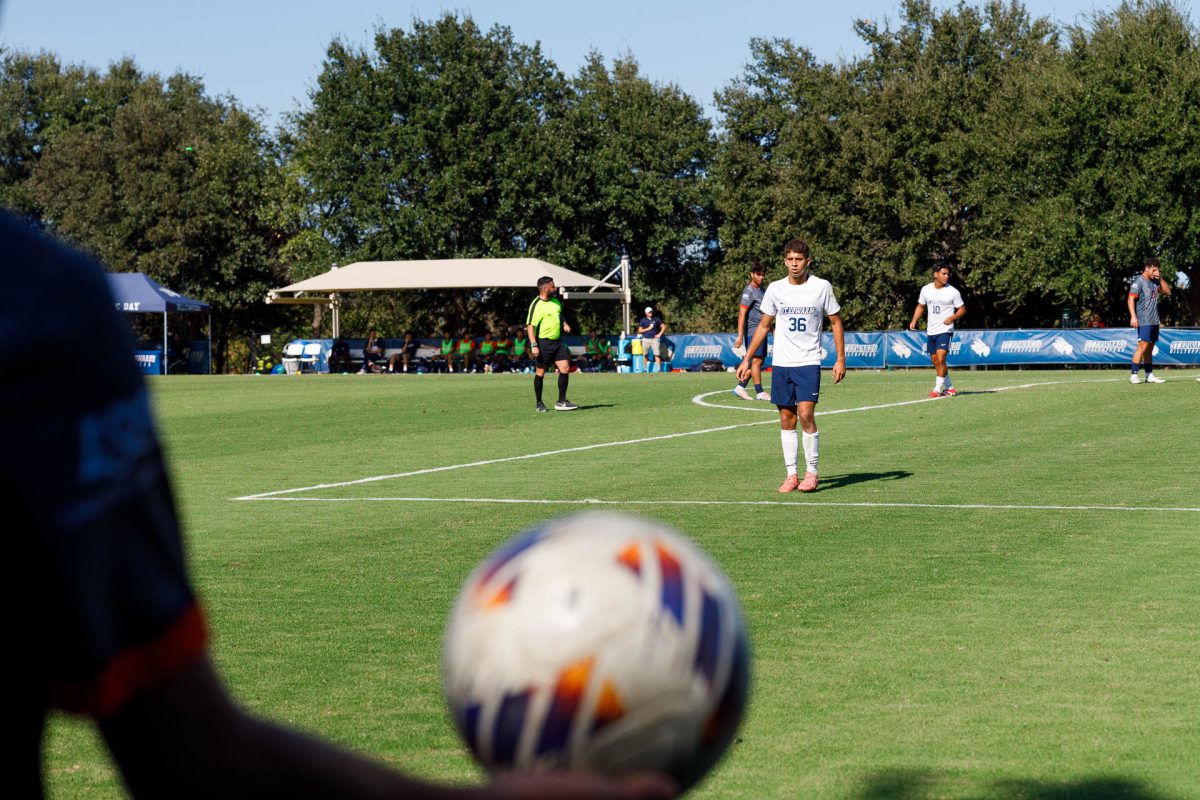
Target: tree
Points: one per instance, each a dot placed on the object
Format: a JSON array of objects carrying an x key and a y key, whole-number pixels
[
  {"x": 434, "y": 146},
  {"x": 40, "y": 99},
  {"x": 179, "y": 186},
  {"x": 631, "y": 177}
]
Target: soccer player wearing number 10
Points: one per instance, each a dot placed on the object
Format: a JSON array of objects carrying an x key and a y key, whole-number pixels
[
  {"x": 946, "y": 307},
  {"x": 797, "y": 307}
]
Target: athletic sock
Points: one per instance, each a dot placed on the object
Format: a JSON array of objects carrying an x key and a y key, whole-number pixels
[
  {"x": 563, "y": 378},
  {"x": 810, "y": 451},
  {"x": 948, "y": 382},
  {"x": 1149, "y": 364},
  {"x": 939, "y": 384},
  {"x": 537, "y": 387},
  {"x": 1135, "y": 365},
  {"x": 791, "y": 445},
  {"x": 743, "y": 383},
  {"x": 758, "y": 388}
]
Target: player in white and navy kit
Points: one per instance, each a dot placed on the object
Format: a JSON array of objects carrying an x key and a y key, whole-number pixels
[
  {"x": 1143, "y": 315},
  {"x": 945, "y": 306},
  {"x": 797, "y": 306}
]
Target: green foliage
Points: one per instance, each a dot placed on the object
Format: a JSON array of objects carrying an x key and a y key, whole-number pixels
[
  {"x": 1044, "y": 173},
  {"x": 1043, "y": 162},
  {"x": 632, "y": 158},
  {"x": 447, "y": 141},
  {"x": 168, "y": 182}
]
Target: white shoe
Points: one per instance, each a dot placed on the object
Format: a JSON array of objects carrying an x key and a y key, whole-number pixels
[
  {"x": 741, "y": 392},
  {"x": 1151, "y": 378},
  {"x": 763, "y": 396},
  {"x": 1134, "y": 379}
]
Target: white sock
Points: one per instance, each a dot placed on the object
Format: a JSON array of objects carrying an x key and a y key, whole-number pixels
[
  {"x": 791, "y": 445},
  {"x": 939, "y": 384},
  {"x": 810, "y": 451}
]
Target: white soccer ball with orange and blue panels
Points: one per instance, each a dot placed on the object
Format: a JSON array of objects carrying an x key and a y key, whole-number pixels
[{"x": 599, "y": 642}]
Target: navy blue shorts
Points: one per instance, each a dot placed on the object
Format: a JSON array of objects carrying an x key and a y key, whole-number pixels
[
  {"x": 1148, "y": 333},
  {"x": 793, "y": 385},
  {"x": 761, "y": 352},
  {"x": 939, "y": 341}
]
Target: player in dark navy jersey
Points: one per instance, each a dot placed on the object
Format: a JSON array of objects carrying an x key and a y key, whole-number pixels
[
  {"x": 749, "y": 314},
  {"x": 1143, "y": 315},
  {"x": 106, "y": 623}
]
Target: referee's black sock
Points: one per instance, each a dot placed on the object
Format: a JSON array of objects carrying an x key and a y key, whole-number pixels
[
  {"x": 563, "y": 377},
  {"x": 537, "y": 387}
]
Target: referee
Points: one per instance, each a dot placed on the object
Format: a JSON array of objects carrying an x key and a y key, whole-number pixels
[{"x": 545, "y": 326}]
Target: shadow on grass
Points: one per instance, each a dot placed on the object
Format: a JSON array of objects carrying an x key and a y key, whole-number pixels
[
  {"x": 921, "y": 785},
  {"x": 851, "y": 478}
]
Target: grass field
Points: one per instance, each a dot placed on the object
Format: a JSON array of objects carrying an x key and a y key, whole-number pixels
[{"x": 991, "y": 596}]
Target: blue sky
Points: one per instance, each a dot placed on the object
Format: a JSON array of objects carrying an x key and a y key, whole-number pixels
[{"x": 268, "y": 53}]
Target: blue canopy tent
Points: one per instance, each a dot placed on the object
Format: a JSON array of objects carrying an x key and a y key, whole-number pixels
[{"x": 135, "y": 293}]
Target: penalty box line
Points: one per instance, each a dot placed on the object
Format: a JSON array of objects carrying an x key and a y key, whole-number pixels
[
  {"x": 792, "y": 504},
  {"x": 698, "y": 399}
]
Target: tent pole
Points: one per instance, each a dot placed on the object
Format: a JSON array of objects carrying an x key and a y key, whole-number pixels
[
  {"x": 164, "y": 356},
  {"x": 210, "y": 343},
  {"x": 628, "y": 299}
]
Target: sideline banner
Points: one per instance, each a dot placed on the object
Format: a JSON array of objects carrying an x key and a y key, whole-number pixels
[
  {"x": 1048, "y": 346},
  {"x": 879, "y": 350}
]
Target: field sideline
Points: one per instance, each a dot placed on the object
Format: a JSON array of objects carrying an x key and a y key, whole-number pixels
[{"x": 992, "y": 596}]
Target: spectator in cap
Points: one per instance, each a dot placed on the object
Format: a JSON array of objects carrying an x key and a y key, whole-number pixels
[{"x": 651, "y": 329}]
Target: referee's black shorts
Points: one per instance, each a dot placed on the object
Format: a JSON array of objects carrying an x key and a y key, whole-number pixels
[{"x": 551, "y": 351}]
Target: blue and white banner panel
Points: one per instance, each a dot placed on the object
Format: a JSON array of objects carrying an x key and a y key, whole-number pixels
[
  {"x": 1048, "y": 346},
  {"x": 692, "y": 349},
  {"x": 863, "y": 350}
]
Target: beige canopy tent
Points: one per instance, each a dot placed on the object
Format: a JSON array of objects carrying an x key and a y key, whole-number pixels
[{"x": 451, "y": 273}]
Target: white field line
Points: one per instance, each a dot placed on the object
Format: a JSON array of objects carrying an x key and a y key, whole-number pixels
[
  {"x": 596, "y": 502},
  {"x": 698, "y": 399}
]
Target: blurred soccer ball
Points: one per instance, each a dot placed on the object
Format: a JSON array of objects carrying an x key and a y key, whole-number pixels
[{"x": 598, "y": 642}]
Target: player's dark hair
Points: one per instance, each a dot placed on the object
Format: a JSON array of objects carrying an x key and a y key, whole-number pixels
[
  {"x": 1152, "y": 261},
  {"x": 542, "y": 281},
  {"x": 758, "y": 266},
  {"x": 796, "y": 246},
  {"x": 941, "y": 265}
]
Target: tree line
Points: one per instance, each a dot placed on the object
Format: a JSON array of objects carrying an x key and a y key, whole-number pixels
[{"x": 1043, "y": 162}]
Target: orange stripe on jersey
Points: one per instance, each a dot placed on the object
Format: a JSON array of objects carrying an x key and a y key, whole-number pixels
[{"x": 138, "y": 668}]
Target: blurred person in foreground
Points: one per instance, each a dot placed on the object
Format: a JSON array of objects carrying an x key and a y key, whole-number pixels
[{"x": 108, "y": 624}]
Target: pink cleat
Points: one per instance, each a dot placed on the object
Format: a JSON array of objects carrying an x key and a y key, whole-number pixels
[
  {"x": 936, "y": 393},
  {"x": 950, "y": 392},
  {"x": 809, "y": 484},
  {"x": 741, "y": 392},
  {"x": 790, "y": 485}
]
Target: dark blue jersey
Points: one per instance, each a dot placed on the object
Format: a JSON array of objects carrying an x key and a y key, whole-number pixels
[
  {"x": 751, "y": 300},
  {"x": 107, "y": 610}
]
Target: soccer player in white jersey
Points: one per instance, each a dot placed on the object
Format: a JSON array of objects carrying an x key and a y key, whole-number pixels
[
  {"x": 797, "y": 307},
  {"x": 945, "y": 306}
]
